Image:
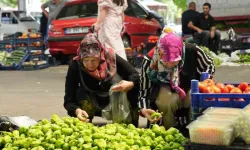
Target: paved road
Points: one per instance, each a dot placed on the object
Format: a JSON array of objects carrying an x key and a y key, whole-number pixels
[{"x": 39, "y": 94}]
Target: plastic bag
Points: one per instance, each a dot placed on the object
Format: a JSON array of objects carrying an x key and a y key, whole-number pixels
[
  {"x": 13, "y": 123},
  {"x": 118, "y": 109}
]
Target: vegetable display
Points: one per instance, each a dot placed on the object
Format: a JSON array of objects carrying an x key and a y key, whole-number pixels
[
  {"x": 9, "y": 59},
  {"x": 71, "y": 134},
  {"x": 209, "y": 86},
  {"x": 217, "y": 61}
]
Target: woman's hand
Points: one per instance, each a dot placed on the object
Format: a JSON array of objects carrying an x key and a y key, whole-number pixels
[
  {"x": 123, "y": 86},
  {"x": 82, "y": 115},
  {"x": 147, "y": 113},
  {"x": 96, "y": 26}
]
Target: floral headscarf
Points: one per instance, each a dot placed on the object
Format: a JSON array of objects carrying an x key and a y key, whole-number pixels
[
  {"x": 90, "y": 47},
  {"x": 170, "y": 48}
]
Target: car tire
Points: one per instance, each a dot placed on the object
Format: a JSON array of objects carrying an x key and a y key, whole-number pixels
[{"x": 126, "y": 41}]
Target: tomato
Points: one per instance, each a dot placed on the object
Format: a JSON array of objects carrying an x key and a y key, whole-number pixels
[
  {"x": 243, "y": 86},
  {"x": 209, "y": 82},
  {"x": 220, "y": 85},
  {"x": 208, "y": 89},
  {"x": 230, "y": 87},
  {"x": 236, "y": 90},
  {"x": 247, "y": 90},
  {"x": 216, "y": 89},
  {"x": 201, "y": 86}
]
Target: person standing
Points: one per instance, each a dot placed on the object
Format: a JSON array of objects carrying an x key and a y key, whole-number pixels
[
  {"x": 206, "y": 31},
  {"x": 55, "y": 7},
  {"x": 109, "y": 24},
  {"x": 188, "y": 17}
]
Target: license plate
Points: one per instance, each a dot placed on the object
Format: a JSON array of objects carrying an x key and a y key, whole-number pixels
[{"x": 76, "y": 30}]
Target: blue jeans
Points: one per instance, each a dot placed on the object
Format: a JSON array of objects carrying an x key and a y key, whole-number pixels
[{"x": 46, "y": 36}]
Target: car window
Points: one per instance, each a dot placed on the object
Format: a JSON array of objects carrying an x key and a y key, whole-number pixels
[
  {"x": 139, "y": 12},
  {"x": 8, "y": 18},
  {"x": 78, "y": 10}
]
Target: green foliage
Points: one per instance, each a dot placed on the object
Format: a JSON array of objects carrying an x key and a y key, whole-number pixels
[
  {"x": 10, "y": 3},
  {"x": 181, "y": 4}
]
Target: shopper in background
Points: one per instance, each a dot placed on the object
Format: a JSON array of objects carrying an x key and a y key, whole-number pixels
[
  {"x": 43, "y": 26},
  {"x": 90, "y": 76},
  {"x": 109, "y": 24},
  {"x": 55, "y": 7}
]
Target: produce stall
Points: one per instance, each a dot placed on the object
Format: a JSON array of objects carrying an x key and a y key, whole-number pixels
[
  {"x": 225, "y": 123},
  {"x": 27, "y": 51},
  {"x": 71, "y": 134}
]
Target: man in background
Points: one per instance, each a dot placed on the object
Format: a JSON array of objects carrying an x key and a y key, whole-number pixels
[
  {"x": 188, "y": 17},
  {"x": 55, "y": 6},
  {"x": 206, "y": 31}
]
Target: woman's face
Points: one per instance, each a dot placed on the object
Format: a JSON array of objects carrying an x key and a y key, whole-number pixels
[
  {"x": 91, "y": 63},
  {"x": 170, "y": 65}
]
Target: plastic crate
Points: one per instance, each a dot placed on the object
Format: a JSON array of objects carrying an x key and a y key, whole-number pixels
[
  {"x": 35, "y": 67},
  {"x": 16, "y": 66},
  {"x": 201, "y": 101},
  {"x": 237, "y": 145}
]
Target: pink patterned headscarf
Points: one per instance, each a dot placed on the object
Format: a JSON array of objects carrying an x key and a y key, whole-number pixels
[{"x": 90, "y": 47}]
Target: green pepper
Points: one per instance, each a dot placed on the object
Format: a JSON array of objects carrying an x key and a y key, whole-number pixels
[
  {"x": 130, "y": 135},
  {"x": 86, "y": 132},
  {"x": 72, "y": 143},
  {"x": 80, "y": 142},
  {"x": 175, "y": 146},
  {"x": 87, "y": 146},
  {"x": 15, "y": 133},
  {"x": 129, "y": 142},
  {"x": 65, "y": 146},
  {"x": 55, "y": 118},
  {"x": 139, "y": 143},
  {"x": 147, "y": 141},
  {"x": 67, "y": 139},
  {"x": 51, "y": 147},
  {"x": 57, "y": 134},
  {"x": 87, "y": 139},
  {"x": 159, "y": 147},
  {"x": 55, "y": 127},
  {"x": 94, "y": 148},
  {"x": 69, "y": 121},
  {"x": 131, "y": 127},
  {"x": 67, "y": 131},
  {"x": 63, "y": 125},
  {"x": 7, "y": 139},
  {"x": 167, "y": 147},
  {"x": 52, "y": 140},
  {"x": 98, "y": 136},
  {"x": 156, "y": 115},
  {"x": 45, "y": 121},
  {"x": 59, "y": 143},
  {"x": 149, "y": 133},
  {"x": 135, "y": 147},
  {"x": 46, "y": 128},
  {"x": 111, "y": 131},
  {"x": 35, "y": 143},
  {"x": 158, "y": 139},
  {"x": 101, "y": 143},
  {"x": 156, "y": 129},
  {"x": 73, "y": 148},
  {"x": 172, "y": 131},
  {"x": 145, "y": 148},
  {"x": 123, "y": 131},
  {"x": 169, "y": 138}
]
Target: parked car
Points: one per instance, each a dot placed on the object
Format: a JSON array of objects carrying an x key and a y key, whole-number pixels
[
  {"x": 17, "y": 21},
  {"x": 74, "y": 20},
  {"x": 154, "y": 14}
]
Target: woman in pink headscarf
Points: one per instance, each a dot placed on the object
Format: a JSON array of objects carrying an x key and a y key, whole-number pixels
[{"x": 163, "y": 92}]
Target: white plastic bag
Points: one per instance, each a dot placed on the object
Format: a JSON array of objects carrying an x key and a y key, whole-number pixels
[{"x": 118, "y": 109}]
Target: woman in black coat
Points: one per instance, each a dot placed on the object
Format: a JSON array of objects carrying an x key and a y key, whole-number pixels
[{"x": 90, "y": 78}]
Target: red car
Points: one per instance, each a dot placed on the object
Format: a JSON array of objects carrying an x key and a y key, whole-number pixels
[{"x": 74, "y": 20}]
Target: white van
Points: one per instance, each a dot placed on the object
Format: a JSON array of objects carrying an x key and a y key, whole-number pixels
[{"x": 16, "y": 21}]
